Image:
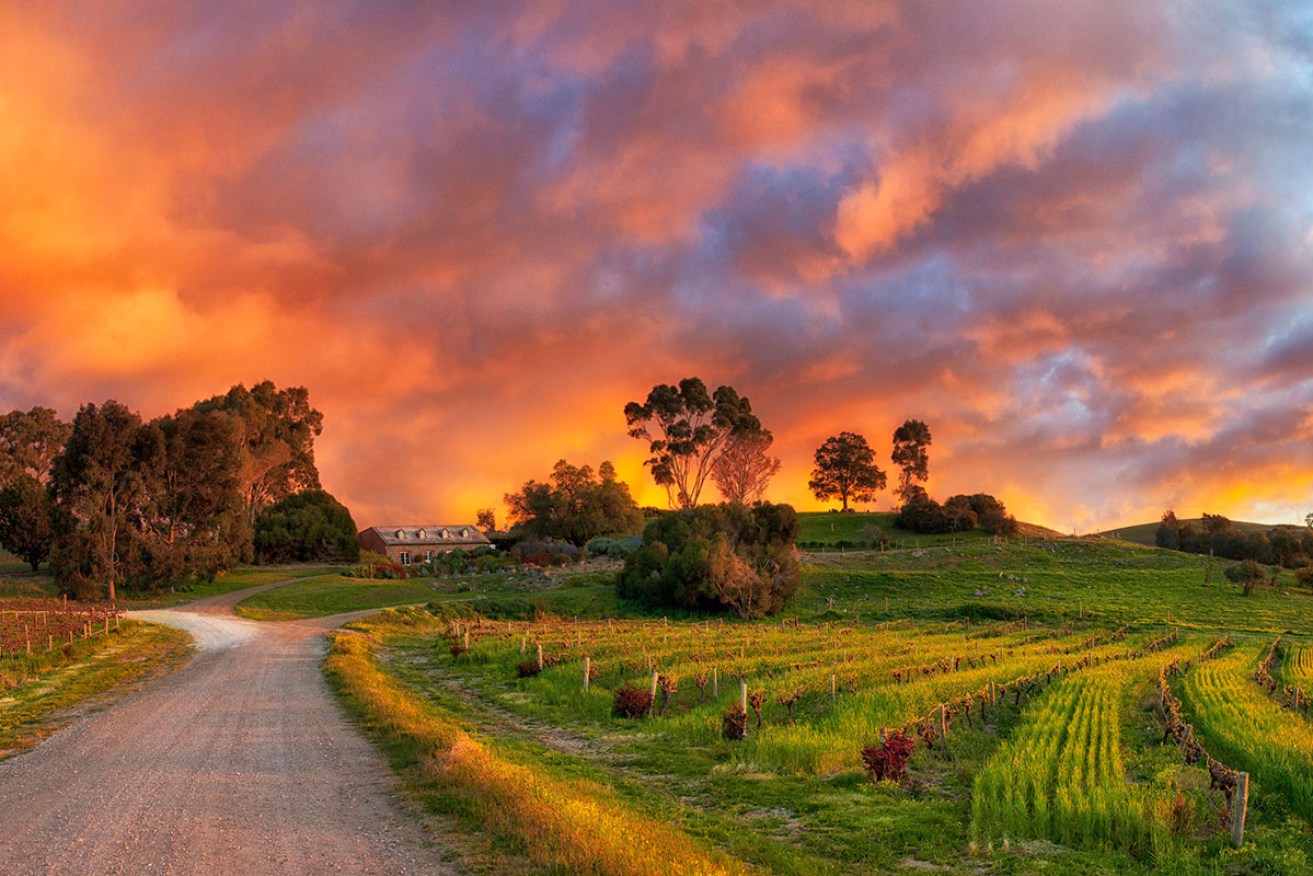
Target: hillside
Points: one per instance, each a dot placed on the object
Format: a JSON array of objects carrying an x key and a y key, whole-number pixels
[
  {"x": 834, "y": 528},
  {"x": 1143, "y": 533}
]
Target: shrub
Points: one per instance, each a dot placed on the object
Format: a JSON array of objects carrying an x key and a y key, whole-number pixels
[
  {"x": 734, "y": 724},
  {"x": 887, "y": 761},
  {"x": 528, "y": 668},
  {"x": 631, "y": 702},
  {"x": 306, "y": 527},
  {"x": 716, "y": 557}
]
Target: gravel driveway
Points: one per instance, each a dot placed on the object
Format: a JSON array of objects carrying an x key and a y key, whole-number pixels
[{"x": 240, "y": 763}]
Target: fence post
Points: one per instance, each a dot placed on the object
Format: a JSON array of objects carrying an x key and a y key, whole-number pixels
[
  {"x": 715, "y": 683},
  {"x": 524, "y": 640},
  {"x": 587, "y": 671},
  {"x": 652, "y": 708},
  {"x": 1239, "y": 806},
  {"x": 743, "y": 696},
  {"x": 540, "y": 657},
  {"x": 832, "y": 689},
  {"x": 943, "y": 722}
]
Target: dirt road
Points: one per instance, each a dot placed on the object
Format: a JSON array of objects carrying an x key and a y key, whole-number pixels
[{"x": 240, "y": 763}]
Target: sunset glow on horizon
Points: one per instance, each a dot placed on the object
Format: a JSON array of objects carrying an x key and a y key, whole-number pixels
[{"x": 1076, "y": 239}]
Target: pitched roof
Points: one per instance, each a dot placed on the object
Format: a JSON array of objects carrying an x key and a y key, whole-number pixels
[{"x": 432, "y": 533}]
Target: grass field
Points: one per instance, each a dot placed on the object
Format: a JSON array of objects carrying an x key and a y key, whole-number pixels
[
  {"x": 1103, "y": 793},
  {"x": 33, "y": 709}
]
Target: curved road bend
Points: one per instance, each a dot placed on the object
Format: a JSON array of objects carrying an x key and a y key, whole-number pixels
[{"x": 239, "y": 763}]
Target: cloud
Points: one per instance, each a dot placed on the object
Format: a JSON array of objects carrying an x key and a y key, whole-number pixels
[{"x": 1072, "y": 237}]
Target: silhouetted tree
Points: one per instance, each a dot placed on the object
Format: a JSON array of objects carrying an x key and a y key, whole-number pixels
[
  {"x": 486, "y": 519},
  {"x": 745, "y": 468},
  {"x": 686, "y": 429},
  {"x": 575, "y": 505},
  {"x": 846, "y": 470},
  {"x": 911, "y": 453},
  {"x": 1169, "y": 532}
]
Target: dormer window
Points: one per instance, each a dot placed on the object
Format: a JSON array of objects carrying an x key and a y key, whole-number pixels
[
  {"x": 401, "y": 533},
  {"x": 422, "y": 534}
]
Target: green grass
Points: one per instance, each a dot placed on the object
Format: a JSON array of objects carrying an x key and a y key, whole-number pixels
[
  {"x": 241, "y": 578},
  {"x": 793, "y": 798},
  {"x": 500, "y": 595},
  {"x": 65, "y": 679}
]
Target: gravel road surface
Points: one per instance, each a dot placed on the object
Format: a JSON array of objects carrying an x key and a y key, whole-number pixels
[{"x": 239, "y": 763}]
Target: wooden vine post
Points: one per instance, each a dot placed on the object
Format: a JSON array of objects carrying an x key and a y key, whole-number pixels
[
  {"x": 832, "y": 689},
  {"x": 652, "y": 708},
  {"x": 540, "y": 657},
  {"x": 587, "y": 671},
  {"x": 743, "y": 696},
  {"x": 943, "y": 722},
  {"x": 715, "y": 683},
  {"x": 1239, "y": 807}
]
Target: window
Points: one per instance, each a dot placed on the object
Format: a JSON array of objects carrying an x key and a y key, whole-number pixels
[
  {"x": 405, "y": 558},
  {"x": 422, "y": 534},
  {"x": 428, "y": 556}
]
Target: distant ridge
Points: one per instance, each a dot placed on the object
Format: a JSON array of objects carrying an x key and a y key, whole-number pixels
[{"x": 1145, "y": 533}]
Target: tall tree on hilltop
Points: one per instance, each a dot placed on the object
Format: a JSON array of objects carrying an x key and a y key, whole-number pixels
[
  {"x": 278, "y": 431},
  {"x": 29, "y": 443},
  {"x": 97, "y": 486},
  {"x": 686, "y": 428},
  {"x": 745, "y": 468},
  {"x": 846, "y": 470},
  {"x": 911, "y": 441}
]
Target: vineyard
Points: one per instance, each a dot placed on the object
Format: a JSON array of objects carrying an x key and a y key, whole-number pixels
[
  {"x": 1238, "y": 719},
  {"x": 987, "y": 734},
  {"x": 35, "y": 625}
]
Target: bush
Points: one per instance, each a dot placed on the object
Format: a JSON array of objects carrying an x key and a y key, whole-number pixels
[
  {"x": 887, "y": 761},
  {"x": 716, "y": 557},
  {"x": 734, "y": 724},
  {"x": 528, "y": 668},
  {"x": 607, "y": 546},
  {"x": 306, "y": 527},
  {"x": 631, "y": 702}
]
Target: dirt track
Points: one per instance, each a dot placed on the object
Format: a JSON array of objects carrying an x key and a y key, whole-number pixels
[{"x": 240, "y": 763}]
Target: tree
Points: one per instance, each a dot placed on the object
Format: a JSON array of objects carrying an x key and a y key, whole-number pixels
[
  {"x": 686, "y": 429},
  {"x": 910, "y": 442},
  {"x": 29, "y": 443},
  {"x": 575, "y": 505},
  {"x": 716, "y": 558},
  {"x": 486, "y": 519},
  {"x": 192, "y": 521},
  {"x": 307, "y": 527},
  {"x": 1248, "y": 574},
  {"x": 745, "y": 468},
  {"x": 1169, "y": 532},
  {"x": 97, "y": 487},
  {"x": 846, "y": 470},
  {"x": 26, "y": 520},
  {"x": 277, "y": 438}
]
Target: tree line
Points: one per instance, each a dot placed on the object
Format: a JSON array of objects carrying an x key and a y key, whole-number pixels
[
  {"x": 737, "y": 555},
  {"x": 114, "y": 501},
  {"x": 1290, "y": 547}
]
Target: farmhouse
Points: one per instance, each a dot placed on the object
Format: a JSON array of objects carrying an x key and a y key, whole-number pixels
[{"x": 420, "y": 544}]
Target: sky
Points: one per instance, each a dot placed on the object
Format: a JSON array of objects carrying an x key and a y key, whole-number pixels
[{"x": 1075, "y": 238}]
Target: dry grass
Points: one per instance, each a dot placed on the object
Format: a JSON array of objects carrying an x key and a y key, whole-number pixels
[{"x": 578, "y": 826}]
